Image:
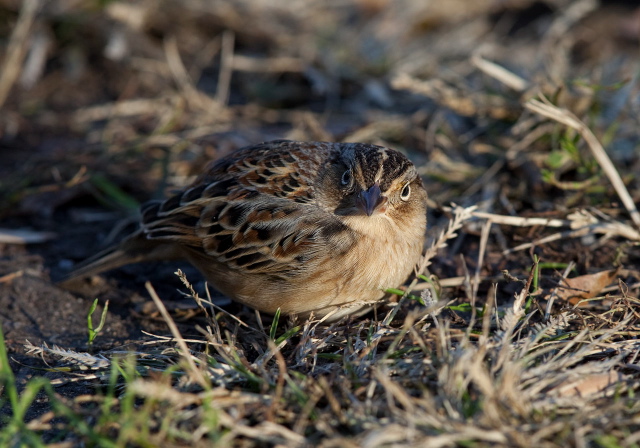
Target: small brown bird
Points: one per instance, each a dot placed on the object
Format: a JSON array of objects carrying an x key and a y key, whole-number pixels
[{"x": 301, "y": 226}]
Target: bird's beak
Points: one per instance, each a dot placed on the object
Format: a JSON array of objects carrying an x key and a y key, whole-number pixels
[{"x": 368, "y": 201}]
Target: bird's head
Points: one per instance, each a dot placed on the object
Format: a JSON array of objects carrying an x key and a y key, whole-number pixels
[{"x": 371, "y": 181}]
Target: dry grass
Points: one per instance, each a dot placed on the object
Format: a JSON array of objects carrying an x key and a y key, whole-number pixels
[
  {"x": 510, "y": 379},
  {"x": 524, "y": 113}
]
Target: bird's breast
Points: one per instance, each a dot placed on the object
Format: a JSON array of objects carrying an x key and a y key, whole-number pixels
[{"x": 385, "y": 253}]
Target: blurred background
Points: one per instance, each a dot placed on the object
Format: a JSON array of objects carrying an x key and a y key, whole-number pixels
[
  {"x": 140, "y": 92},
  {"x": 106, "y": 104}
]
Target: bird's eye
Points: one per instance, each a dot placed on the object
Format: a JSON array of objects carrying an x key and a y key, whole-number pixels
[
  {"x": 405, "y": 193},
  {"x": 346, "y": 178}
]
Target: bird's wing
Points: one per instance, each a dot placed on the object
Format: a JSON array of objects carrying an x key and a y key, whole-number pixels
[{"x": 254, "y": 211}]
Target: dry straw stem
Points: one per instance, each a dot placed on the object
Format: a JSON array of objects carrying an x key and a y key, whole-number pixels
[
  {"x": 24, "y": 236},
  {"x": 546, "y": 109},
  {"x": 226, "y": 67},
  {"x": 122, "y": 109},
  {"x": 193, "y": 369},
  {"x": 183, "y": 80},
  {"x": 11, "y": 276},
  {"x": 484, "y": 238},
  {"x": 499, "y": 73},
  {"x": 17, "y": 47},
  {"x": 456, "y": 98},
  {"x": 581, "y": 223},
  {"x": 268, "y": 65}
]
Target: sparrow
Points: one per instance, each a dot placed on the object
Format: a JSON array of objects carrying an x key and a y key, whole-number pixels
[{"x": 304, "y": 227}]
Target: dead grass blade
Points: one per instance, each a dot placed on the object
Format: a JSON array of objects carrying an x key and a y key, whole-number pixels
[
  {"x": 546, "y": 109},
  {"x": 226, "y": 69},
  {"x": 554, "y": 293},
  {"x": 193, "y": 369},
  {"x": 17, "y": 47},
  {"x": 500, "y": 73},
  {"x": 24, "y": 236},
  {"x": 580, "y": 223}
]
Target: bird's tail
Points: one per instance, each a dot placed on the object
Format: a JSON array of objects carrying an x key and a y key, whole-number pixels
[{"x": 134, "y": 249}]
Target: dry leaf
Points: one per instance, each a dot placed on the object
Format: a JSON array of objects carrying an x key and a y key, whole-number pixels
[
  {"x": 590, "y": 385},
  {"x": 585, "y": 287}
]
